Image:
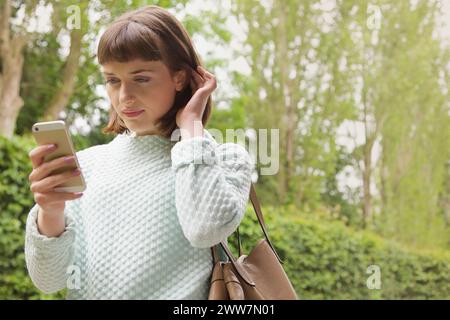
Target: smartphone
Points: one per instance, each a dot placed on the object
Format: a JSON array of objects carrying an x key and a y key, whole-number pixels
[{"x": 56, "y": 132}]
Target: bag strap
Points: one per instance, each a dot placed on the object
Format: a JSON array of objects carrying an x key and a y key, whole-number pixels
[
  {"x": 215, "y": 254},
  {"x": 259, "y": 215}
]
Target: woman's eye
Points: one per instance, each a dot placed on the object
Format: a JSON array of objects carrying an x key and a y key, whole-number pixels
[
  {"x": 142, "y": 80},
  {"x": 112, "y": 81}
]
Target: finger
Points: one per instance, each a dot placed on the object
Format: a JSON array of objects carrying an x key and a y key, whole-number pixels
[
  {"x": 46, "y": 169},
  {"x": 198, "y": 78},
  {"x": 37, "y": 154},
  {"x": 54, "y": 197},
  {"x": 209, "y": 75},
  {"x": 201, "y": 71},
  {"x": 48, "y": 183},
  {"x": 204, "y": 72},
  {"x": 210, "y": 84},
  {"x": 198, "y": 71}
]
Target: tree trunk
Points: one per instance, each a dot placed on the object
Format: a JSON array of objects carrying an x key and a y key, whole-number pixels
[
  {"x": 367, "y": 175},
  {"x": 288, "y": 120},
  {"x": 367, "y": 150},
  {"x": 383, "y": 185},
  {"x": 10, "y": 100},
  {"x": 62, "y": 96},
  {"x": 11, "y": 58}
]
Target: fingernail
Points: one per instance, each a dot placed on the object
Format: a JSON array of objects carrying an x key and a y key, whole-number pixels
[
  {"x": 76, "y": 172},
  {"x": 68, "y": 159},
  {"x": 78, "y": 194},
  {"x": 51, "y": 146}
]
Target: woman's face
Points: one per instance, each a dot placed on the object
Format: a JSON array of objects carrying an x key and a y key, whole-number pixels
[{"x": 141, "y": 85}]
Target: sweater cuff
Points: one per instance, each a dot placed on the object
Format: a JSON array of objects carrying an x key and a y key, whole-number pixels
[
  {"x": 50, "y": 244},
  {"x": 196, "y": 150}
]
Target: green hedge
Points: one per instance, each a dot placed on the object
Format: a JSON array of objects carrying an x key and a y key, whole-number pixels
[
  {"x": 324, "y": 260},
  {"x": 16, "y": 200},
  {"x": 327, "y": 260}
]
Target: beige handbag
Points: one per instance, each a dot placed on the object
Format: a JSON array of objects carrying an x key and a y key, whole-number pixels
[{"x": 256, "y": 276}]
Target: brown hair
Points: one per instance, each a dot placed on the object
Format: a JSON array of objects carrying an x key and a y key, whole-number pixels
[{"x": 151, "y": 33}]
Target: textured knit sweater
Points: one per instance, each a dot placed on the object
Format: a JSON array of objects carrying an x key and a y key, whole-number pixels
[{"x": 145, "y": 224}]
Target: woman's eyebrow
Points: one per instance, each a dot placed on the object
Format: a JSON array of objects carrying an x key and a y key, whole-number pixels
[
  {"x": 141, "y": 70},
  {"x": 132, "y": 72}
]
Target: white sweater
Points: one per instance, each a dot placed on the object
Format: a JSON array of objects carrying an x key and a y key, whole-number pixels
[{"x": 145, "y": 224}]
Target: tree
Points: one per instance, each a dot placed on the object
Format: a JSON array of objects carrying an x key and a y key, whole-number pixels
[
  {"x": 295, "y": 86},
  {"x": 78, "y": 29},
  {"x": 11, "y": 58}
]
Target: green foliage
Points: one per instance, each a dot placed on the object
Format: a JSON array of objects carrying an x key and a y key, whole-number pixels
[
  {"x": 228, "y": 118},
  {"x": 323, "y": 258},
  {"x": 326, "y": 260},
  {"x": 397, "y": 86},
  {"x": 415, "y": 126},
  {"x": 40, "y": 78},
  {"x": 16, "y": 200},
  {"x": 389, "y": 84}
]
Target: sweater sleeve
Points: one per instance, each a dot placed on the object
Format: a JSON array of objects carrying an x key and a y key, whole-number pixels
[
  {"x": 212, "y": 185},
  {"x": 47, "y": 258}
]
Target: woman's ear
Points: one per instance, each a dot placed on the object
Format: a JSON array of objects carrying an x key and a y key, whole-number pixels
[{"x": 180, "y": 80}]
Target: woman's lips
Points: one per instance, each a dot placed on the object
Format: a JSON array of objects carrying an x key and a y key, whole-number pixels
[{"x": 133, "y": 114}]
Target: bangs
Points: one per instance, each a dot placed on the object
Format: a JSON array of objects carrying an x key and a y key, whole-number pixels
[
  {"x": 128, "y": 40},
  {"x": 151, "y": 33}
]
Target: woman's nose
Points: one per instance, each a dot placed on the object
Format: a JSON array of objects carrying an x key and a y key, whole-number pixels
[{"x": 126, "y": 96}]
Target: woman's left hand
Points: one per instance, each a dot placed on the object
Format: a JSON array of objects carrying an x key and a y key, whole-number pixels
[{"x": 203, "y": 84}]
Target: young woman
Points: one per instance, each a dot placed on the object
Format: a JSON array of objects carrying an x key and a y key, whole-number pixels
[{"x": 154, "y": 205}]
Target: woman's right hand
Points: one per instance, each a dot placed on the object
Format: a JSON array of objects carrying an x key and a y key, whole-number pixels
[{"x": 42, "y": 182}]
